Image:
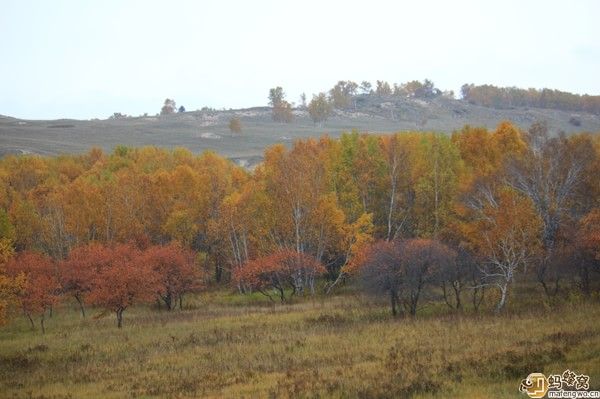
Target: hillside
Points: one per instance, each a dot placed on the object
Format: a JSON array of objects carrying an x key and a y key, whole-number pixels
[{"x": 208, "y": 130}]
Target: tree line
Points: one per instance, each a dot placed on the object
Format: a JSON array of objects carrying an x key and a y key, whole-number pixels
[
  {"x": 349, "y": 95},
  {"x": 345, "y": 95},
  {"x": 408, "y": 215},
  {"x": 507, "y": 97}
]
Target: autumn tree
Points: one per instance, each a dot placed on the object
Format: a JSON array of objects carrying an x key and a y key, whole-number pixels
[
  {"x": 588, "y": 248},
  {"x": 176, "y": 272},
  {"x": 126, "y": 280},
  {"x": 549, "y": 174},
  {"x": 235, "y": 125},
  {"x": 504, "y": 97},
  {"x": 304, "y": 212},
  {"x": 284, "y": 269},
  {"x": 169, "y": 107},
  {"x": 9, "y": 289},
  {"x": 282, "y": 110},
  {"x": 506, "y": 234},
  {"x": 276, "y": 96},
  {"x": 416, "y": 89},
  {"x": 40, "y": 288},
  {"x": 398, "y": 193},
  {"x": 10, "y": 286},
  {"x": 436, "y": 173},
  {"x": 245, "y": 225},
  {"x": 359, "y": 175},
  {"x": 359, "y": 235},
  {"x": 319, "y": 108},
  {"x": 383, "y": 88},
  {"x": 342, "y": 94},
  {"x": 77, "y": 273}
]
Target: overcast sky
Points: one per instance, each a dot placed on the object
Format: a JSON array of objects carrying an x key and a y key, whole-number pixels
[{"x": 85, "y": 59}]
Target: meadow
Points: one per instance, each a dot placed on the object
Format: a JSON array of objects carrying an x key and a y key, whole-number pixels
[{"x": 223, "y": 344}]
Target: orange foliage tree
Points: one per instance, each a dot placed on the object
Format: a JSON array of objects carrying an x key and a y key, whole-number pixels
[
  {"x": 176, "y": 271},
  {"x": 125, "y": 280},
  {"x": 40, "y": 289},
  {"x": 506, "y": 234},
  {"x": 280, "y": 270},
  {"x": 77, "y": 273}
]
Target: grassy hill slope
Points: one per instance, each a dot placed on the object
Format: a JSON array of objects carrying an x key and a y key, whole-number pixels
[{"x": 208, "y": 130}]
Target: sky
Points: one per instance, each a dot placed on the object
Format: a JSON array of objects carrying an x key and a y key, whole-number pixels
[{"x": 88, "y": 59}]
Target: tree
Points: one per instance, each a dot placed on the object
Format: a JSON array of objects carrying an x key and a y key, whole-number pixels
[
  {"x": 176, "y": 271},
  {"x": 549, "y": 173},
  {"x": 589, "y": 233},
  {"x": 78, "y": 272},
  {"x": 276, "y": 96},
  {"x": 304, "y": 213},
  {"x": 416, "y": 89},
  {"x": 342, "y": 94},
  {"x": 588, "y": 248},
  {"x": 402, "y": 269},
  {"x": 437, "y": 170},
  {"x": 383, "y": 89},
  {"x": 397, "y": 166},
  {"x": 319, "y": 108},
  {"x": 455, "y": 275},
  {"x": 282, "y": 110},
  {"x": 235, "y": 125},
  {"x": 124, "y": 281},
  {"x": 40, "y": 288},
  {"x": 181, "y": 109},
  {"x": 365, "y": 87},
  {"x": 169, "y": 107},
  {"x": 303, "y": 100},
  {"x": 280, "y": 270},
  {"x": 117, "y": 115},
  {"x": 505, "y": 233},
  {"x": 283, "y": 113},
  {"x": 10, "y": 286},
  {"x": 358, "y": 236},
  {"x": 9, "y": 289}
]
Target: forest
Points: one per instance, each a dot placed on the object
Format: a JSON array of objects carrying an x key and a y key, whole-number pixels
[{"x": 409, "y": 216}]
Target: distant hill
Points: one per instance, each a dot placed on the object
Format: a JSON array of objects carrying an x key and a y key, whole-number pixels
[{"x": 209, "y": 129}]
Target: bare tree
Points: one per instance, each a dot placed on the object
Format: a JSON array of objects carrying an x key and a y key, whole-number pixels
[
  {"x": 454, "y": 276},
  {"x": 303, "y": 100},
  {"x": 549, "y": 174},
  {"x": 403, "y": 269}
]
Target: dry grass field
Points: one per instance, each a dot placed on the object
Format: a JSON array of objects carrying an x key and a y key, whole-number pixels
[{"x": 347, "y": 346}]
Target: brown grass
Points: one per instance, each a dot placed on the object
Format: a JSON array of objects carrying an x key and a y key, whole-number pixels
[{"x": 345, "y": 346}]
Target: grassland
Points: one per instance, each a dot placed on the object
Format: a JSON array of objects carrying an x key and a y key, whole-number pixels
[
  {"x": 208, "y": 130},
  {"x": 226, "y": 345}
]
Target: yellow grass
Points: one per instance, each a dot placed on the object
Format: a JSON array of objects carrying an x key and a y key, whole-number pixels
[{"x": 344, "y": 346}]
